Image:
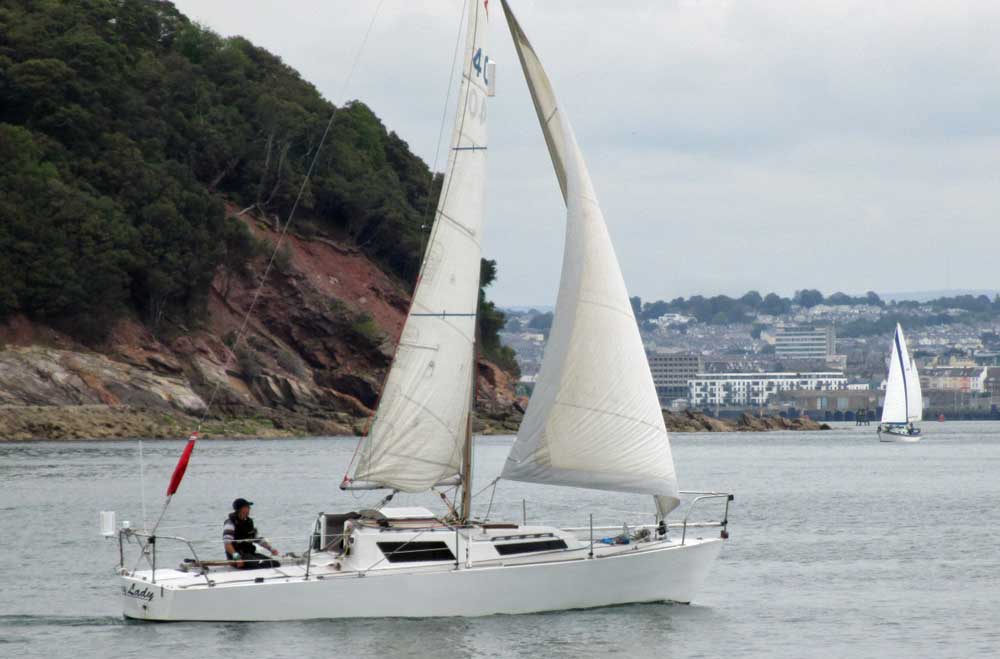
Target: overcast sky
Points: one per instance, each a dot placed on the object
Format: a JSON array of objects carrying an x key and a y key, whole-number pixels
[{"x": 833, "y": 144}]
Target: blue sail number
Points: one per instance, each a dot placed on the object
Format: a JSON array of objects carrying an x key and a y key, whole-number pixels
[
  {"x": 481, "y": 67},
  {"x": 477, "y": 61}
]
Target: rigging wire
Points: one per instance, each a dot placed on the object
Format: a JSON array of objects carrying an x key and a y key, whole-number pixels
[
  {"x": 426, "y": 213},
  {"x": 291, "y": 216},
  {"x": 489, "y": 508}
]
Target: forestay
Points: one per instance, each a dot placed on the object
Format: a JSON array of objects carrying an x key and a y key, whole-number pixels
[
  {"x": 594, "y": 419},
  {"x": 419, "y": 429}
]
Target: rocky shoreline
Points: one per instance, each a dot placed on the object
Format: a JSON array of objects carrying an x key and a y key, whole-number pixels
[
  {"x": 688, "y": 421},
  {"x": 73, "y": 422}
]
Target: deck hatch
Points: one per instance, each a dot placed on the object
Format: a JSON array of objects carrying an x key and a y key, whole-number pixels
[
  {"x": 414, "y": 552},
  {"x": 528, "y": 547}
]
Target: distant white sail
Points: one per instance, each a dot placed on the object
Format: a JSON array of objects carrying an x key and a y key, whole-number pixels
[
  {"x": 915, "y": 407},
  {"x": 419, "y": 429},
  {"x": 594, "y": 419},
  {"x": 899, "y": 404}
]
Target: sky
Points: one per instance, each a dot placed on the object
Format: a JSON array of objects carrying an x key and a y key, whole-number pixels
[{"x": 734, "y": 144}]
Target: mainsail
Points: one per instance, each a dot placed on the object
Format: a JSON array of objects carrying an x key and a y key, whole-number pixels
[
  {"x": 594, "y": 419},
  {"x": 903, "y": 398},
  {"x": 417, "y": 437}
]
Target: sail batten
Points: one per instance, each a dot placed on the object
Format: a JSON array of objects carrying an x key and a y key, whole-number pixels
[
  {"x": 594, "y": 419},
  {"x": 417, "y": 436}
]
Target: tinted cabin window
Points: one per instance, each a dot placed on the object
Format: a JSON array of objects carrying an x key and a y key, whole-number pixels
[
  {"x": 527, "y": 547},
  {"x": 412, "y": 552}
]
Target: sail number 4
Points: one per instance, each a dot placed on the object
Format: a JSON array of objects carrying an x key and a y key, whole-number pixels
[
  {"x": 477, "y": 103},
  {"x": 480, "y": 65}
]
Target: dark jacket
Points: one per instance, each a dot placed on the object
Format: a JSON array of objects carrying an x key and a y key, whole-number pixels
[{"x": 240, "y": 532}]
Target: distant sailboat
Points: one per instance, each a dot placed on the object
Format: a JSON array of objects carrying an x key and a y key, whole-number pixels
[
  {"x": 594, "y": 421},
  {"x": 904, "y": 400}
]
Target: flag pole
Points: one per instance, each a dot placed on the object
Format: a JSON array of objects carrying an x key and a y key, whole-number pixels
[
  {"x": 175, "y": 482},
  {"x": 176, "y": 478}
]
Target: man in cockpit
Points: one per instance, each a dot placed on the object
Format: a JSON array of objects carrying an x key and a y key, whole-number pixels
[{"x": 240, "y": 535}]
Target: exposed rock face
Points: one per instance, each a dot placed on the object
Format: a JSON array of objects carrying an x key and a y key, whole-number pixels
[
  {"x": 498, "y": 409},
  {"x": 313, "y": 359},
  {"x": 36, "y": 375},
  {"x": 688, "y": 421}
]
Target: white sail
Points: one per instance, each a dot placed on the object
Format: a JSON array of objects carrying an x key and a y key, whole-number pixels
[
  {"x": 915, "y": 407},
  {"x": 897, "y": 390},
  {"x": 594, "y": 419},
  {"x": 419, "y": 429}
]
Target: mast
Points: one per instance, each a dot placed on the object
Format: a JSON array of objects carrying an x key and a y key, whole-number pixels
[{"x": 465, "y": 509}]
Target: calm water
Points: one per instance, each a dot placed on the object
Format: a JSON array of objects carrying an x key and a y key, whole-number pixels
[{"x": 840, "y": 546}]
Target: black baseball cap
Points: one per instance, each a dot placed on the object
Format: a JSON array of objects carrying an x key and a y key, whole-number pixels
[{"x": 239, "y": 503}]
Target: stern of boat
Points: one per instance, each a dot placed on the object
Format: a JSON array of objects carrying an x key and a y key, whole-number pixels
[{"x": 142, "y": 600}]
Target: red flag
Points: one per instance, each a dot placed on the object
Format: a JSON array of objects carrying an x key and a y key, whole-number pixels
[{"x": 182, "y": 465}]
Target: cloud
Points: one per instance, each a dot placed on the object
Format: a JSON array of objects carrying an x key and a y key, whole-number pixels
[{"x": 734, "y": 144}]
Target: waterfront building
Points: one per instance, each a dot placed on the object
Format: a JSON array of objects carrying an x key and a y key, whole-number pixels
[
  {"x": 672, "y": 371},
  {"x": 805, "y": 342},
  {"x": 952, "y": 378},
  {"x": 842, "y": 401},
  {"x": 755, "y": 389}
]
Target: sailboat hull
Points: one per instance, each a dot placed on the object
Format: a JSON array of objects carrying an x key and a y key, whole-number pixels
[
  {"x": 667, "y": 572},
  {"x": 899, "y": 435},
  {"x": 890, "y": 438}
]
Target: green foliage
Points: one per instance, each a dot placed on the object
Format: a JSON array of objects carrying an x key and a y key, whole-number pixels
[
  {"x": 541, "y": 322},
  {"x": 248, "y": 361},
  {"x": 124, "y": 126},
  {"x": 808, "y": 298},
  {"x": 722, "y": 309},
  {"x": 491, "y": 320},
  {"x": 364, "y": 325},
  {"x": 886, "y": 324}
]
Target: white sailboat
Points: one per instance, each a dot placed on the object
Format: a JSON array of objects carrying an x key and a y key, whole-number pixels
[
  {"x": 594, "y": 422},
  {"x": 904, "y": 401}
]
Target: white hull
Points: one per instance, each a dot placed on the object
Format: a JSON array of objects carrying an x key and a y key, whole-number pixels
[
  {"x": 890, "y": 438},
  {"x": 651, "y": 572},
  {"x": 894, "y": 435}
]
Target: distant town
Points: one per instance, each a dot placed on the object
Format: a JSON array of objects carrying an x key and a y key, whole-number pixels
[{"x": 820, "y": 356}]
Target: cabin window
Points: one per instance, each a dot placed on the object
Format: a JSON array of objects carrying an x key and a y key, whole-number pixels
[
  {"x": 413, "y": 552},
  {"x": 528, "y": 547}
]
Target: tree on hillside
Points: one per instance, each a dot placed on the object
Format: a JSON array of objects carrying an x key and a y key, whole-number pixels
[
  {"x": 776, "y": 305},
  {"x": 125, "y": 128},
  {"x": 752, "y": 300},
  {"x": 542, "y": 322},
  {"x": 491, "y": 320},
  {"x": 808, "y": 297},
  {"x": 636, "y": 303}
]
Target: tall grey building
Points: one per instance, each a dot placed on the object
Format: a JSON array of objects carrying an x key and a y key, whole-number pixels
[
  {"x": 805, "y": 342},
  {"x": 672, "y": 371}
]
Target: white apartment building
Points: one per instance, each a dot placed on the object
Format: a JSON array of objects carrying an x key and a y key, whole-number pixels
[{"x": 754, "y": 389}]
